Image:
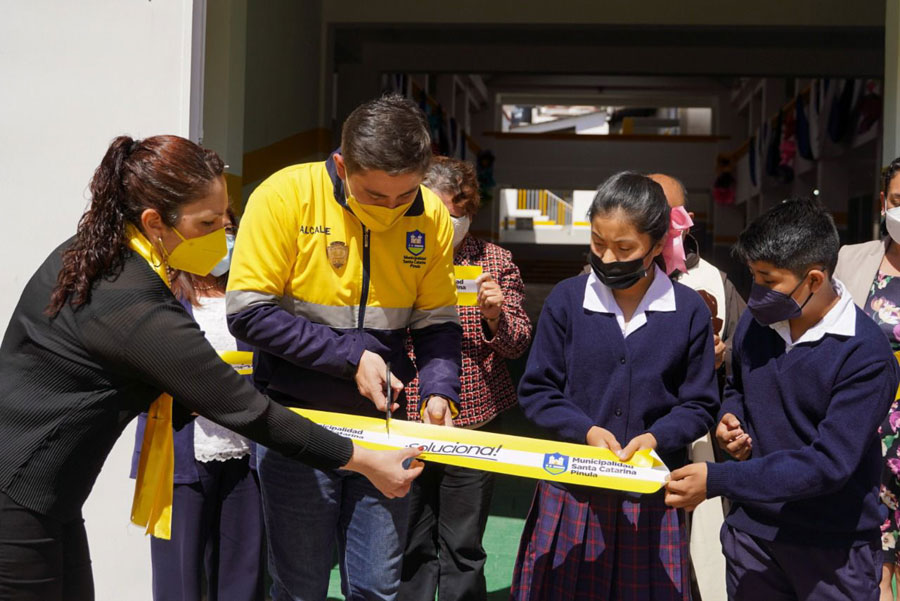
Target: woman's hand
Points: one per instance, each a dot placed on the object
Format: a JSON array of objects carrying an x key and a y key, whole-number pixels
[
  {"x": 490, "y": 297},
  {"x": 385, "y": 470},
  {"x": 720, "y": 349}
]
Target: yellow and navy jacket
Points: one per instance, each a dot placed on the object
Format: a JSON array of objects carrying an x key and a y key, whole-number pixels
[{"x": 312, "y": 288}]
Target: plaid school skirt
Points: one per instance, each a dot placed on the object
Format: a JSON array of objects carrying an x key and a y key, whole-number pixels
[{"x": 590, "y": 544}]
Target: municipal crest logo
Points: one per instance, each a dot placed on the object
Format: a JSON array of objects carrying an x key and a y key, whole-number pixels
[
  {"x": 337, "y": 253},
  {"x": 415, "y": 242},
  {"x": 555, "y": 463}
]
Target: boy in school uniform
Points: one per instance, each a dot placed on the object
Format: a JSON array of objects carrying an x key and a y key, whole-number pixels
[{"x": 813, "y": 378}]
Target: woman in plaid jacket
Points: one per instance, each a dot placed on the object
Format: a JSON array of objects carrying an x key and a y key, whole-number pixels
[{"x": 449, "y": 505}]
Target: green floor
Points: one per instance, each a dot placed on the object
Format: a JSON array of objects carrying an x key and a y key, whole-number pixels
[{"x": 512, "y": 497}]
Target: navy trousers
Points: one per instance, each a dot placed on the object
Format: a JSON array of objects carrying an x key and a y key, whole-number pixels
[
  {"x": 780, "y": 571},
  {"x": 217, "y": 530}
]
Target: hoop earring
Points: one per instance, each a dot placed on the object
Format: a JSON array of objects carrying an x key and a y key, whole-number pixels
[{"x": 161, "y": 253}]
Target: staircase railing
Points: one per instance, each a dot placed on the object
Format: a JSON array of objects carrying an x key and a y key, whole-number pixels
[{"x": 556, "y": 210}]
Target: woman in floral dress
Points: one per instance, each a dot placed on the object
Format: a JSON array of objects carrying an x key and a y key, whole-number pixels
[{"x": 871, "y": 272}]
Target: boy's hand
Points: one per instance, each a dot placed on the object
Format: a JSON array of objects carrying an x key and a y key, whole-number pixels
[
  {"x": 603, "y": 438},
  {"x": 732, "y": 438},
  {"x": 686, "y": 487},
  {"x": 638, "y": 443}
]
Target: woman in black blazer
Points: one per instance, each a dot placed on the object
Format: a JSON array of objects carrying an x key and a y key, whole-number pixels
[{"x": 97, "y": 337}]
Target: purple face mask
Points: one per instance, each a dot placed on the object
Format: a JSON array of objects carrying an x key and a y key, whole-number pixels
[{"x": 770, "y": 306}]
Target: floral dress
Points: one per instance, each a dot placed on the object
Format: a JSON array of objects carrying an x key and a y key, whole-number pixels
[{"x": 883, "y": 306}]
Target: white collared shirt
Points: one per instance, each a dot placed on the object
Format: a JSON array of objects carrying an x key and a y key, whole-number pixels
[
  {"x": 660, "y": 296},
  {"x": 840, "y": 320}
]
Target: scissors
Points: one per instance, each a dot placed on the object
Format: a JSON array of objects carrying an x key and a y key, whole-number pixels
[{"x": 390, "y": 400}]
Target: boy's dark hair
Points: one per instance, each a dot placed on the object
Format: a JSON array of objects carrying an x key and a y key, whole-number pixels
[
  {"x": 639, "y": 197},
  {"x": 797, "y": 234},
  {"x": 387, "y": 134}
]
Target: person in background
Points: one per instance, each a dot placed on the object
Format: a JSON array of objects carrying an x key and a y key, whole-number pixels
[
  {"x": 726, "y": 306},
  {"x": 97, "y": 337},
  {"x": 701, "y": 275},
  {"x": 217, "y": 517},
  {"x": 336, "y": 265},
  {"x": 871, "y": 273},
  {"x": 449, "y": 506},
  {"x": 813, "y": 377},
  {"x": 622, "y": 359}
]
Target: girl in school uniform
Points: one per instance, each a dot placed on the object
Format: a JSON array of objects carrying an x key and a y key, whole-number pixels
[{"x": 623, "y": 358}]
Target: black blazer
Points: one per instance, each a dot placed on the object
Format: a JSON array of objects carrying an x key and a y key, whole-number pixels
[{"x": 69, "y": 385}]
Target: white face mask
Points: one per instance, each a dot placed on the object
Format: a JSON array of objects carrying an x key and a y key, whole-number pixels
[
  {"x": 224, "y": 265},
  {"x": 892, "y": 222},
  {"x": 460, "y": 228}
]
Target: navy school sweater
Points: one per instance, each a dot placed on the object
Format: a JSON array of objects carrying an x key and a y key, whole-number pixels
[
  {"x": 813, "y": 415},
  {"x": 660, "y": 379}
]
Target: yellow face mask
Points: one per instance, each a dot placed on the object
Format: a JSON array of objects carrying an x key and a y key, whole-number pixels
[
  {"x": 374, "y": 217},
  {"x": 198, "y": 255}
]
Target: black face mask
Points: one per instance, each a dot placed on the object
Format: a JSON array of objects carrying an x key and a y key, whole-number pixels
[{"x": 619, "y": 275}]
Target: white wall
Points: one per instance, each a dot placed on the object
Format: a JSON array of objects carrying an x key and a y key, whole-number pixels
[{"x": 75, "y": 75}]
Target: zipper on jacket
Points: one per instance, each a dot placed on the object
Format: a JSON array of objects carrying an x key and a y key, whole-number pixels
[{"x": 364, "y": 294}]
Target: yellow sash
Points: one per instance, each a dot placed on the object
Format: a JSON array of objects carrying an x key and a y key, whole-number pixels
[{"x": 152, "y": 503}]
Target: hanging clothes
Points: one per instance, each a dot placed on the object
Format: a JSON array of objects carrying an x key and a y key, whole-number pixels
[
  {"x": 804, "y": 145},
  {"x": 751, "y": 152}
]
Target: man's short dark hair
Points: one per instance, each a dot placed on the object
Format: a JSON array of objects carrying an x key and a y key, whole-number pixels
[
  {"x": 387, "y": 134},
  {"x": 798, "y": 234}
]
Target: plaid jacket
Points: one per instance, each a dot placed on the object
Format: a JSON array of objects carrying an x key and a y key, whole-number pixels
[{"x": 487, "y": 389}]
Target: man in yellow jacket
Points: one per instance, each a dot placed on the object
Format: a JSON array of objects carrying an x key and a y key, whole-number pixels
[{"x": 334, "y": 264}]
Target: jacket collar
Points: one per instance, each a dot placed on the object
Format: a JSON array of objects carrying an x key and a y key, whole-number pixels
[{"x": 415, "y": 209}]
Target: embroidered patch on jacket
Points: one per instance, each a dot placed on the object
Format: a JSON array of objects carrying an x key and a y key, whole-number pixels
[{"x": 337, "y": 253}]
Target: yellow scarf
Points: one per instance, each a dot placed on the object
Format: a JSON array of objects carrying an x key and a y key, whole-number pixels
[{"x": 152, "y": 504}]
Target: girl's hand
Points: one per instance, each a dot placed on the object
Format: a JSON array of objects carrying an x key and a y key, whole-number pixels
[
  {"x": 638, "y": 443},
  {"x": 604, "y": 439}
]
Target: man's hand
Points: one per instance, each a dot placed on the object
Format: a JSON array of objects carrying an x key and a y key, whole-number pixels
[
  {"x": 638, "y": 443},
  {"x": 686, "y": 487},
  {"x": 370, "y": 380},
  {"x": 490, "y": 296},
  {"x": 437, "y": 411},
  {"x": 604, "y": 439},
  {"x": 732, "y": 438},
  {"x": 720, "y": 350}
]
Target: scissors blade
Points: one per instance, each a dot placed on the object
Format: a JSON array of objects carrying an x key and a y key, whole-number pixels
[{"x": 389, "y": 396}]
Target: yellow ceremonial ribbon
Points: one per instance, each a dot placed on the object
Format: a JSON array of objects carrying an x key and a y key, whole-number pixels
[
  {"x": 550, "y": 460},
  {"x": 153, "y": 489}
]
